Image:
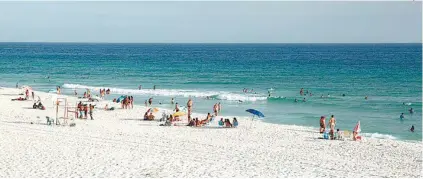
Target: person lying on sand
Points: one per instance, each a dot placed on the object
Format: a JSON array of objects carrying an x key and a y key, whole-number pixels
[{"x": 19, "y": 99}]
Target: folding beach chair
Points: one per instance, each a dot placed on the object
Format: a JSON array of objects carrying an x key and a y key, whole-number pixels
[{"x": 347, "y": 135}]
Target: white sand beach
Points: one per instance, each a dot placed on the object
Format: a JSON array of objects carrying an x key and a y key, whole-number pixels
[{"x": 119, "y": 144}]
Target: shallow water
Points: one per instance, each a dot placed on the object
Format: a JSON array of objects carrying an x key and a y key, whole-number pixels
[{"x": 389, "y": 74}]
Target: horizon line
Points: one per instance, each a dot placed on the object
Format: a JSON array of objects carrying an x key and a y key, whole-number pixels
[{"x": 221, "y": 42}]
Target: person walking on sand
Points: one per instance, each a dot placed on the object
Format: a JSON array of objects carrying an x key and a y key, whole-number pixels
[
  {"x": 332, "y": 123},
  {"x": 322, "y": 124}
]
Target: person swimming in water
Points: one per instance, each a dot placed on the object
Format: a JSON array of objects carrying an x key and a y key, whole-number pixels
[
  {"x": 304, "y": 100},
  {"x": 295, "y": 100},
  {"x": 411, "y": 111},
  {"x": 366, "y": 98},
  {"x": 412, "y": 128},
  {"x": 268, "y": 92},
  {"x": 343, "y": 95},
  {"x": 402, "y": 116}
]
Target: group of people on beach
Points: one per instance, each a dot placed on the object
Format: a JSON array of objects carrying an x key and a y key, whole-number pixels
[
  {"x": 332, "y": 123},
  {"x": 83, "y": 109}
]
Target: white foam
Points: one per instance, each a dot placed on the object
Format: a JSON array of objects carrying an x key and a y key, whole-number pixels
[
  {"x": 379, "y": 136},
  {"x": 222, "y": 95}
]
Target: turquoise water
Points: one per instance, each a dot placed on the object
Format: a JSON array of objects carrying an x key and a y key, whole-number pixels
[{"x": 390, "y": 74}]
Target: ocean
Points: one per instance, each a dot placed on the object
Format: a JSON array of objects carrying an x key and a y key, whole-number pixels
[{"x": 389, "y": 74}]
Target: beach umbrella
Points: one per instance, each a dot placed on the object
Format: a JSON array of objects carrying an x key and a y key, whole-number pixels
[
  {"x": 177, "y": 114},
  {"x": 153, "y": 110},
  {"x": 255, "y": 112},
  {"x": 357, "y": 127}
]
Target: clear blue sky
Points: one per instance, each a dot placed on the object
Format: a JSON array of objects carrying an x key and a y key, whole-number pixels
[{"x": 214, "y": 22}]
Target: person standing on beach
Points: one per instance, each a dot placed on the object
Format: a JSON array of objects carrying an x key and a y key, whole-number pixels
[
  {"x": 85, "y": 111},
  {"x": 33, "y": 96},
  {"x": 139, "y": 87},
  {"x": 322, "y": 124},
  {"x": 332, "y": 123},
  {"x": 176, "y": 107},
  {"x": 189, "y": 104},
  {"x": 215, "y": 109},
  {"x": 150, "y": 101},
  {"x": 27, "y": 94},
  {"x": 91, "y": 111}
]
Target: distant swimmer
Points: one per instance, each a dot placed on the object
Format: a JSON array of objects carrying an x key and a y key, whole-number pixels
[
  {"x": 311, "y": 94},
  {"x": 343, "y": 95},
  {"x": 139, "y": 87},
  {"x": 406, "y": 104},
  {"x": 301, "y": 91},
  {"x": 268, "y": 92},
  {"x": 402, "y": 116},
  {"x": 328, "y": 95},
  {"x": 150, "y": 101},
  {"x": 295, "y": 100},
  {"x": 172, "y": 101},
  {"x": 411, "y": 111},
  {"x": 17, "y": 84},
  {"x": 321, "y": 96},
  {"x": 366, "y": 98},
  {"x": 412, "y": 128},
  {"x": 240, "y": 101},
  {"x": 304, "y": 100}
]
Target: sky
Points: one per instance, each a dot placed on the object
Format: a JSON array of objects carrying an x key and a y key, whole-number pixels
[{"x": 212, "y": 22}]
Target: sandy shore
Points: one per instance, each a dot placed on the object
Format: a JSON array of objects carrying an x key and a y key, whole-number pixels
[{"x": 118, "y": 144}]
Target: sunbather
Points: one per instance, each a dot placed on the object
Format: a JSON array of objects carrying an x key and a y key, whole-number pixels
[{"x": 19, "y": 99}]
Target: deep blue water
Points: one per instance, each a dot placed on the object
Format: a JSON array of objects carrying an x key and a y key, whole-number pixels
[{"x": 389, "y": 74}]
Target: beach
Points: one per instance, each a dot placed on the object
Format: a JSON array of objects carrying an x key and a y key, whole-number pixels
[{"x": 119, "y": 143}]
